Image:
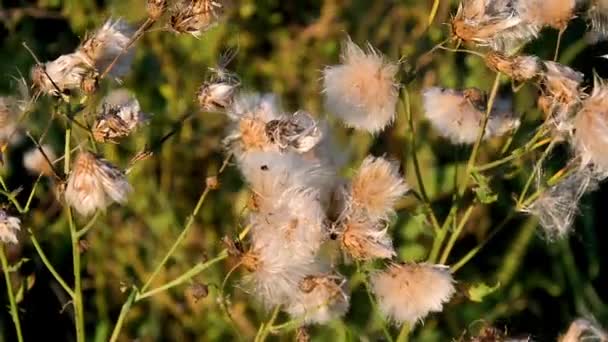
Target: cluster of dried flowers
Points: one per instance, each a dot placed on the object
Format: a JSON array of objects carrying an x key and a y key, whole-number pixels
[{"x": 300, "y": 207}]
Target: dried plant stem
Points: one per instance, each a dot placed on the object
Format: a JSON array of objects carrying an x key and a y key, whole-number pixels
[
  {"x": 77, "y": 298},
  {"x": 425, "y": 198},
  {"x": 9, "y": 291},
  {"x": 49, "y": 266}
]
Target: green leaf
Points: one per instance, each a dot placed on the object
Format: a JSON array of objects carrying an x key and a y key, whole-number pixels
[
  {"x": 478, "y": 291},
  {"x": 483, "y": 192}
]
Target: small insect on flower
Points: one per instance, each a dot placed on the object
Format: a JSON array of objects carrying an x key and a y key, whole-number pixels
[
  {"x": 94, "y": 184},
  {"x": 377, "y": 186},
  {"x": 409, "y": 292},
  {"x": 458, "y": 115},
  {"x": 584, "y": 330},
  {"x": 362, "y": 91},
  {"x": 38, "y": 162},
  {"x": 110, "y": 41},
  {"x": 9, "y": 227},
  {"x": 591, "y": 129},
  {"x": 557, "y": 206},
  {"x": 196, "y": 16},
  {"x": 60, "y": 76},
  {"x": 320, "y": 299},
  {"x": 493, "y": 23},
  {"x": 555, "y": 14},
  {"x": 519, "y": 68},
  {"x": 120, "y": 115},
  {"x": 298, "y": 132}
]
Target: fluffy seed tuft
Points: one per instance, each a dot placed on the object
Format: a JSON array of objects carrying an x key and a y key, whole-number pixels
[{"x": 9, "y": 227}]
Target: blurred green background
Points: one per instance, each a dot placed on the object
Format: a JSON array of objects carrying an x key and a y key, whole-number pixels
[{"x": 282, "y": 47}]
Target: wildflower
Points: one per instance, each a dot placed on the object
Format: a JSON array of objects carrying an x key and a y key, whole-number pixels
[
  {"x": 365, "y": 239},
  {"x": 541, "y": 13},
  {"x": 9, "y": 227},
  {"x": 94, "y": 184},
  {"x": 299, "y": 132},
  {"x": 409, "y": 292},
  {"x": 39, "y": 162},
  {"x": 362, "y": 91},
  {"x": 557, "y": 206},
  {"x": 492, "y": 23},
  {"x": 61, "y": 75},
  {"x": 217, "y": 93},
  {"x": 120, "y": 115},
  {"x": 458, "y": 115},
  {"x": 320, "y": 299},
  {"x": 377, "y": 186},
  {"x": 584, "y": 330},
  {"x": 519, "y": 68},
  {"x": 591, "y": 128},
  {"x": 156, "y": 8},
  {"x": 110, "y": 41},
  {"x": 196, "y": 16}
]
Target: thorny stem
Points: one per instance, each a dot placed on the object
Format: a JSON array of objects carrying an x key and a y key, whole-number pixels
[
  {"x": 123, "y": 314},
  {"x": 425, "y": 198},
  {"x": 149, "y": 22},
  {"x": 77, "y": 298},
  {"x": 184, "y": 232},
  {"x": 455, "y": 234},
  {"x": 49, "y": 266},
  {"x": 9, "y": 292}
]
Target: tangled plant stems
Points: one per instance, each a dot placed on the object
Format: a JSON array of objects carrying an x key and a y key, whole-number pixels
[{"x": 306, "y": 222}]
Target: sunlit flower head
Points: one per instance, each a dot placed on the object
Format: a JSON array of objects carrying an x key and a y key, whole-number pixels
[
  {"x": 61, "y": 75},
  {"x": 36, "y": 163},
  {"x": 108, "y": 42},
  {"x": 218, "y": 92},
  {"x": 409, "y": 292},
  {"x": 458, "y": 115},
  {"x": 156, "y": 8},
  {"x": 119, "y": 115},
  {"x": 591, "y": 129},
  {"x": 519, "y": 68},
  {"x": 94, "y": 184},
  {"x": 556, "y": 14},
  {"x": 196, "y": 16},
  {"x": 362, "y": 91},
  {"x": 362, "y": 238},
  {"x": 9, "y": 227},
  {"x": 320, "y": 298}
]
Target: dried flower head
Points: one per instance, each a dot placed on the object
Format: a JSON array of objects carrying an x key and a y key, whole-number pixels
[
  {"x": 458, "y": 115},
  {"x": 493, "y": 23},
  {"x": 409, "y": 292},
  {"x": 298, "y": 132},
  {"x": 156, "y": 8},
  {"x": 597, "y": 13},
  {"x": 94, "y": 184},
  {"x": 218, "y": 91},
  {"x": 557, "y": 206},
  {"x": 320, "y": 299},
  {"x": 519, "y": 68},
  {"x": 591, "y": 129},
  {"x": 110, "y": 41},
  {"x": 37, "y": 162},
  {"x": 365, "y": 239},
  {"x": 377, "y": 186},
  {"x": 9, "y": 227},
  {"x": 61, "y": 75},
  {"x": 584, "y": 330},
  {"x": 196, "y": 16},
  {"x": 561, "y": 82},
  {"x": 9, "y": 115},
  {"x": 362, "y": 90},
  {"x": 265, "y": 107},
  {"x": 541, "y": 13},
  {"x": 120, "y": 115}
]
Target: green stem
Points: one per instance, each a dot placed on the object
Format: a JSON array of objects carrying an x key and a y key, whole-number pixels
[
  {"x": 77, "y": 298},
  {"x": 264, "y": 328},
  {"x": 536, "y": 169},
  {"x": 455, "y": 235},
  {"x": 433, "y": 11},
  {"x": 516, "y": 154},
  {"x": 404, "y": 333},
  {"x": 88, "y": 226},
  {"x": 9, "y": 291},
  {"x": 198, "y": 268},
  {"x": 49, "y": 266},
  {"x": 123, "y": 314}
]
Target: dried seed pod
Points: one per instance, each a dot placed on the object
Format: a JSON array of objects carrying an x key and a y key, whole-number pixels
[
  {"x": 198, "y": 291},
  {"x": 196, "y": 16},
  {"x": 299, "y": 132},
  {"x": 519, "y": 68},
  {"x": 156, "y": 8}
]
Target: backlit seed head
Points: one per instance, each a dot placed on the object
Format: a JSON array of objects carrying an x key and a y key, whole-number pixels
[{"x": 9, "y": 227}]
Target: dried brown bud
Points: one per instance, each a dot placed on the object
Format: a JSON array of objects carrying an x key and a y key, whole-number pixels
[
  {"x": 212, "y": 182},
  {"x": 156, "y": 8},
  {"x": 90, "y": 82},
  {"x": 198, "y": 291}
]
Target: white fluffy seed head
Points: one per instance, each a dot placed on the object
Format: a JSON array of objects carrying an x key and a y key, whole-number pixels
[
  {"x": 9, "y": 227},
  {"x": 320, "y": 298},
  {"x": 556, "y": 14},
  {"x": 597, "y": 14},
  {"x": 196, "y": 16},
  {"x": 119, "y": 116},
  {"x": 519, "y": 68},
  {"x": 362, "y": 91},
  {"x": 458, "y": 115},
  {"x": 591, "y": 130},
  {"x": 35, "y": 162},
  {"x": 94, "y": 184},
  {"x": 108, "y": 42},
  {"x": 409, "y": 292},
  {"x": 66, "y": 72},
  {"x": 377, "y": 186},
  {"x": 364, "y": 239}
]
